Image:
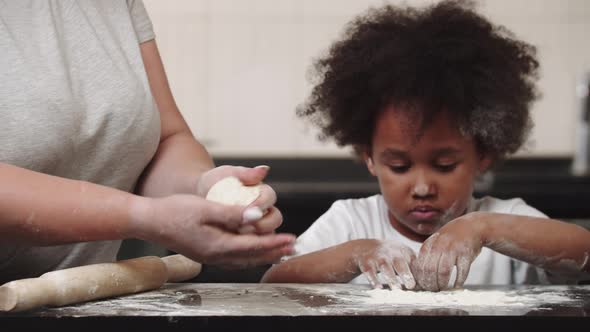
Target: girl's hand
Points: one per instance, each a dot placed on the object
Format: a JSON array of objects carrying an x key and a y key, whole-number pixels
[
  {"x": 456, "y": 244},
  {"x": 391, "y": 259}
]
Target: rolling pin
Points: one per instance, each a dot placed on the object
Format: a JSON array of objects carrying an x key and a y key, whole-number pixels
[{"x": 96, "y": 281}]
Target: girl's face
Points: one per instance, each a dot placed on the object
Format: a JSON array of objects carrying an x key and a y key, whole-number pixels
[{"x": 426, "y": 181}]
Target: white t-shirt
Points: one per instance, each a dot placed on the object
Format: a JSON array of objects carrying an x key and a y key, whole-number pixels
[
  {"x": 366, "y": 218},
  {"x": 75, "y": 102}
]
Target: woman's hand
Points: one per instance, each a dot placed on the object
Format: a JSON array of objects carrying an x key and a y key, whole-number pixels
[
  {"x": 271, "y": 217},
  {"x": 391, "y": 259},
  {"x": 206, "y": 231},
  {"x": 456, "y": 244}
]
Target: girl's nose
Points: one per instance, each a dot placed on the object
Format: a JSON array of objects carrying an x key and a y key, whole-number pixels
[{"x": 422, "y": 187}]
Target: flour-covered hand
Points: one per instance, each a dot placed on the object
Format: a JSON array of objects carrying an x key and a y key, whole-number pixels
[
  {"x": 388, "y": 259},
  {"x": 456, "y": 244}
]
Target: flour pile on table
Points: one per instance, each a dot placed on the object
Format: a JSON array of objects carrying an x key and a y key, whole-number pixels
[{"x": 460, "y": 297}]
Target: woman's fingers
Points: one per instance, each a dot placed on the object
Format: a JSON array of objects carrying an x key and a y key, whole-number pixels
[
  {"x": 266, "y": 199},
  {"x": 247, "y": 175},
  {"x": 250, "y": 249},
  {"x": 255, "y": 258},
  {"x": 251, "y": 176},
  {"x": 268, "y": 224},
  {"x": 230, "y": 217}
]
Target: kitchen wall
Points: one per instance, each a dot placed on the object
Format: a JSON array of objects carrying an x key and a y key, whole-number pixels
[{"x": 238, "y": 67}]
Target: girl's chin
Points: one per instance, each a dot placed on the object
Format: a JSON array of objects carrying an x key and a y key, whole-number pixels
[{"x": 426, "y": 228}]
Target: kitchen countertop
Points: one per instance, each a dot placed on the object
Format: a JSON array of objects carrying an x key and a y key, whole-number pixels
[{"x": 216, "y": 306}]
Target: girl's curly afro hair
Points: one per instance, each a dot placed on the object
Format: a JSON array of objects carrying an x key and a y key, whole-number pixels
[{"x": 442, "y": 57}]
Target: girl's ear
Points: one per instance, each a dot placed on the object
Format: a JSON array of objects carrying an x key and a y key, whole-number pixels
[
  {"x": 369, "y": 162},
  {"x": 485, "y": 161}
]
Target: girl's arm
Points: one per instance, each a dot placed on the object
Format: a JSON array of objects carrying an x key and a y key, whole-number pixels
[
  {"x": 331, "y": 265},
  {"x": 344, "y": 262},
  {"x": 556, "y": 246}
]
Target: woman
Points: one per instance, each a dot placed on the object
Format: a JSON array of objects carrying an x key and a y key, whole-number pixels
[{"x": 94, "y": 149}]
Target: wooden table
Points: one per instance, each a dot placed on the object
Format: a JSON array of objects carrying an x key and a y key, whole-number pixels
[{"x": 286, "y": 307}]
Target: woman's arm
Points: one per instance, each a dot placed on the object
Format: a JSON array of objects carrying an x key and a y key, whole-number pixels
[
  {"x": 40, "y": 209},
  {"x": 182, "y": 164},
  {"x": 180, "y": 159}
]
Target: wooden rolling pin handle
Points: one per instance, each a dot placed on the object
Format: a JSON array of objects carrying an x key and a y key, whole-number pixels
[
  {"x": 26, "y": 294},
  {"x": 96, "y": 281},
  {"x": 181, "y": 268},
  {"x": 84, "y": 283}
]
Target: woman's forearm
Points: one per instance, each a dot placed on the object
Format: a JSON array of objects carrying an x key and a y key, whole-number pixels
[
  {"x": 180, "y": 158},
  {"x": 175, "y": 168},
  {"x": 40, "y": 209}
]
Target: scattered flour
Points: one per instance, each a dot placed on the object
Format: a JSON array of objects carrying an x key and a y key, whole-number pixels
[
  {"x": 318, "y": 299},
  {"x": 459, "y": 297}
]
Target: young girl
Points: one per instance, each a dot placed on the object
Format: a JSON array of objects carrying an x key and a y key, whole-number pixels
[{"x": 430, "y": 99}]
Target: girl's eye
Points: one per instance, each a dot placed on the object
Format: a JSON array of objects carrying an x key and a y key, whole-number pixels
[
  {"x": 399, "y": 168},
  {"x": 445, "y": 168}
]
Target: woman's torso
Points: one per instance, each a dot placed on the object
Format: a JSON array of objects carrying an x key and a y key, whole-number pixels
[{"x": 74, "y": 103}]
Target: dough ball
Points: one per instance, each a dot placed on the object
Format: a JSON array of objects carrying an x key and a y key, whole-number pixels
[{"x": 231, "y": 191}]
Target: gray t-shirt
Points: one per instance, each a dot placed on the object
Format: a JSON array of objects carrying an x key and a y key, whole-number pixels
[{"x": 74, "y": 102}]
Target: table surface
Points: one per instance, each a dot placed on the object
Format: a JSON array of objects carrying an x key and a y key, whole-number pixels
[{"x": 187, "y": 302}]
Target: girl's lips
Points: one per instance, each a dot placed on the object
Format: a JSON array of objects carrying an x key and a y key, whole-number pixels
[{"x": 424, "y": 213}]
